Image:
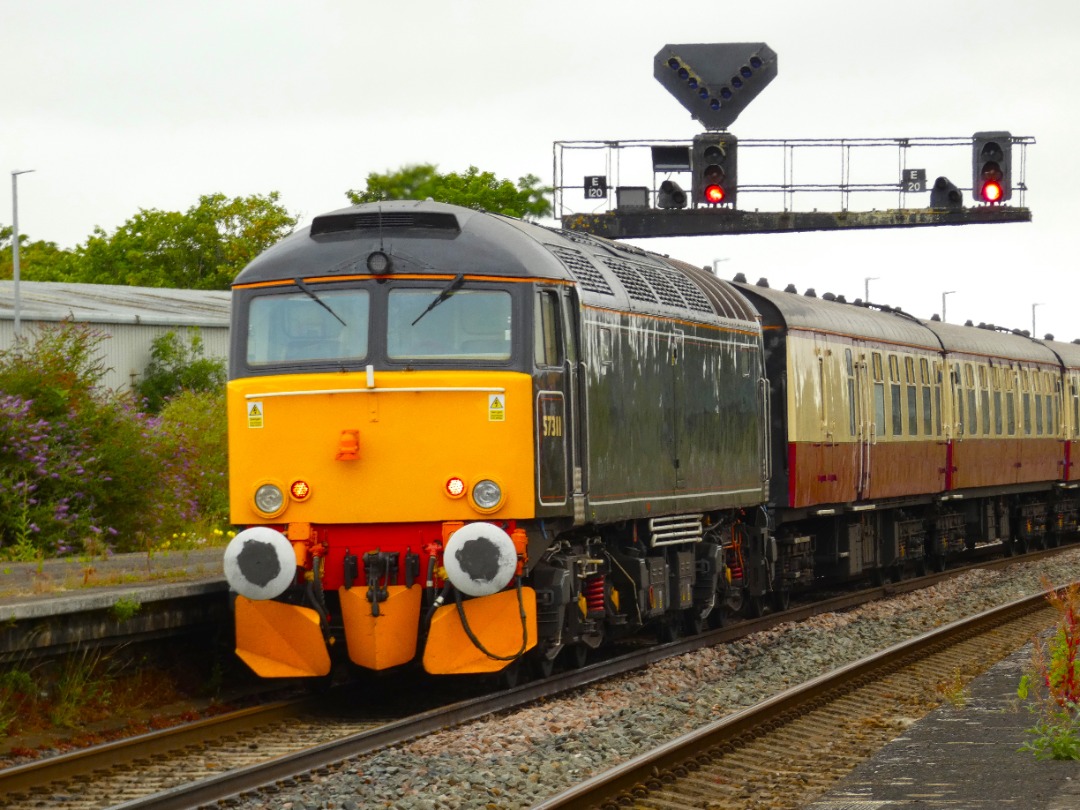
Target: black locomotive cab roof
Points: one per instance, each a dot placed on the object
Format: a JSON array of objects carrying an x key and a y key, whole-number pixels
[
  {"x": 422, "y": 237},
  {"x": 419, "y": 237}
]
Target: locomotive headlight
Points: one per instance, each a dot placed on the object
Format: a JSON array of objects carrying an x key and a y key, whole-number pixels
[
  {"x": 269, "y": 499},
  {"x": 487, "y": 495}
]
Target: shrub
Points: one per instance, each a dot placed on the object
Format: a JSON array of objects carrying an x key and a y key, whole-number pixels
[
  {"x": 177, "y": 366},
  {"x": 83, "y": 471},
  {"x": 1054, "y": 683}
]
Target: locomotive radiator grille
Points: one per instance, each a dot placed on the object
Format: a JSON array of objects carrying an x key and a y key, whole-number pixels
[{"x": 668, "y": 531}]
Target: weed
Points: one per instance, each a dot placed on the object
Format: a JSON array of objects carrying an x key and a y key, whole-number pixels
[
  {"x": 125, "y": 608},
  {"x": 954, "y": 689},
  {"x": 1053, "y": 683},
  {"x": 81, "y": 681}
]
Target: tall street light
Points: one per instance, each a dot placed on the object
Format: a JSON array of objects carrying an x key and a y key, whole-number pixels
[
  {"x": 1033, "y": 317},
  {"x": 866, "y": 288},
  {"x": 949, "y": 292},
  {"x": 15, "y": 243}
]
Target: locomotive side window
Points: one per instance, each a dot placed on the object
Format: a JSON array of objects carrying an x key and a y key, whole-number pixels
[
  {"x": 546, "y": 343},
  {"x": 429, "y": 324},
  {"x": 291, "y": 327}
]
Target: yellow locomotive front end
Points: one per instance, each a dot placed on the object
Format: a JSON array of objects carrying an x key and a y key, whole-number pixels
[{"x": 382, "y": 459}]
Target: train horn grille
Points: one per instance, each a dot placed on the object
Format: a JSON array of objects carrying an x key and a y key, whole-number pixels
[{"x": 667, "y": 531}]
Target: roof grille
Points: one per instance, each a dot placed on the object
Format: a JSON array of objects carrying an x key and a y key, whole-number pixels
[
  {"x": 583, "y": 270},
  {"x": 384, "y": 220},
  {"x": 659, "y": 285}
]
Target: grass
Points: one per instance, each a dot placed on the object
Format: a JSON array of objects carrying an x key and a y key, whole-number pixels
[{"x": 91, "y": 694}]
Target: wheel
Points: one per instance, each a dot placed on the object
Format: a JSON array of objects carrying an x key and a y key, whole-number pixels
[
  {"x": 667, "y": 629},
  {"x": 541, "y": 665},
  {"x": 576, "y": 656},
  {"x": 781, "y": 599},
  {"x": 755, "y": 607},
  {"x": 694, "y": 623},
  {"x": 510, "y": 675}
]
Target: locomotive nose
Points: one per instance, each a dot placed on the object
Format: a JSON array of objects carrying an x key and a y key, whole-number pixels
[
  {"x": 260, "y": 563},
  {"x": 480, "y": 559}
]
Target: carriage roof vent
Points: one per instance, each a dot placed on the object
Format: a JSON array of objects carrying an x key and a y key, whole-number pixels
[
  {"x": 763, "y": 282},
  {"x": 810, "y": 292},
  {"x": 739, "y": 277},
  {"x": 791, "y": 288},
  {"x": 385, "y": 221}
]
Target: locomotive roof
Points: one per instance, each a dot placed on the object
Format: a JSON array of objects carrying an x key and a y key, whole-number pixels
[
  {"x": 810, "y": 313},
  {"x": 430, "y": 237},
  {"x": 419, "y": 237}
]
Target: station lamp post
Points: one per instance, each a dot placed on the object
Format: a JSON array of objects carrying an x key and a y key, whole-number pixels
[
  {"x": 1033, "y": 317},
  {"x": 866, "y": 288},
  {"x": 15, "y": 245},
  {"x": 948, "y": 292}
]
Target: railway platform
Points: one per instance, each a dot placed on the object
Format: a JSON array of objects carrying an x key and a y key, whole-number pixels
[
  {"x": 62, "y": 604},
  {"x": 963, "y": 757}
]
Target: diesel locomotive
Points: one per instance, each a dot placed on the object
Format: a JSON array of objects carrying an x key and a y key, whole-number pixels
[{"x": 461, "y": 441}]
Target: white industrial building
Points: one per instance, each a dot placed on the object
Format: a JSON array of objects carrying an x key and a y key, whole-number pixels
[{"x": 130, "y": 317}]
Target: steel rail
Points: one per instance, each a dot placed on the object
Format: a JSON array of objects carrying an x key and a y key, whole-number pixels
[
  {"x": 22, "y": 778},
  {"x": 641, "y": 774}
]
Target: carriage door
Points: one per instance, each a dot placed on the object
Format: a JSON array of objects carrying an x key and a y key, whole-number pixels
[
  {"x": 865, "y": 427},
  {"x": 550, "y": 386}
]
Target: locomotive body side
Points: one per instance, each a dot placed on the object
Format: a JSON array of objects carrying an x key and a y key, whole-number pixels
[{"x": 461, "y": 440}]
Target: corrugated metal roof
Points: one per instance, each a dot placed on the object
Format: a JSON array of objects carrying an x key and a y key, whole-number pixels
[{"x": 108, "y": 303}]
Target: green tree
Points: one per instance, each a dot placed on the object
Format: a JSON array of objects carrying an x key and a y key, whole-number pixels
[
  {"x": 38, "y": 261},
  {"x": 473, "y": 189},
  {"x": 175, "y": 366},
  {"x": 202, "y": 249}
]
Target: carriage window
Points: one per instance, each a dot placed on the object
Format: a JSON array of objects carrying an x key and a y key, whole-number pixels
[
  {"x": 468, "y": 324},
  {"x": 297, "y": 328},
  {"x": 894, "y": 379},
  {"x": 912, "y": 397}
]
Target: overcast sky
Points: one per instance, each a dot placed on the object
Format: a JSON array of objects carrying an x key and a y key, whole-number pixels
[{"x": 120, "y": 105}]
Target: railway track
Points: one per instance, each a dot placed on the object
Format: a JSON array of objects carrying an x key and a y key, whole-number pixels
[
  {"x": 285, "y": 742},
  {"x": 785, "y": 751}
]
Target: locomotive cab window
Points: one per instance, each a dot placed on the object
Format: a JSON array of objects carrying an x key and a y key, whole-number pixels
[
  {"x": 297, "y": 327},
  {"x": 439, "y": 323},
  {"x": 547, "y": 348}
]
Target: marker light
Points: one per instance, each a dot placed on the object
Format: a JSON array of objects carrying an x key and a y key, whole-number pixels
[
  {"x": 714, "y": 194},
  {"x": 455, "y": 487},
  {"x": 300, "y": 490}
]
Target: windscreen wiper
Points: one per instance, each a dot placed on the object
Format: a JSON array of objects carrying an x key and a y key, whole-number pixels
[
  {"x": 307, "y": 291},
  {"x": 446, "y": 293}
]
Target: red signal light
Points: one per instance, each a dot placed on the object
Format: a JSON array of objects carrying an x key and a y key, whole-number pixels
[
  {"x": 714, "y": 194},
  {"x": 300, "y": 490},
  {"x": 991, "y": 191}
]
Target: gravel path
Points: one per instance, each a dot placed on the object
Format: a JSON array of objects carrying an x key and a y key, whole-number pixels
[{"x": 517, "y": 760}]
